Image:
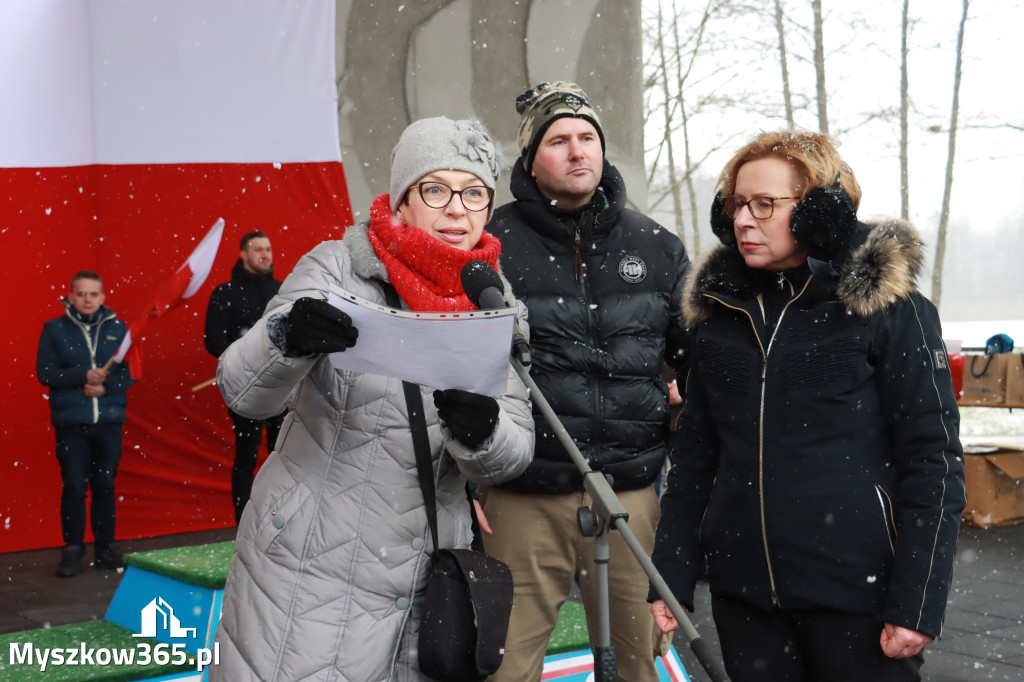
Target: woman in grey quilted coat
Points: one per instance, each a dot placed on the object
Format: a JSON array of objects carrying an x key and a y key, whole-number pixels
[{"x": 333, "y": 547}]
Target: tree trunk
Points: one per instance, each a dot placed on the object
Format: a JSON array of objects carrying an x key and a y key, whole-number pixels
[
  {"x": 786, "y": 94},
  {"x": 904, "y": 108},
  {"x": 819, "y": 67},
  {"x": 691, "y": 192},
  {"x": 673, "y": 182},
  {"x": 940, "y": 242}
]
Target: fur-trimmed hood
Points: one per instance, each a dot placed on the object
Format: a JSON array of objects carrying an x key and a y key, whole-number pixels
[{"x": 882, "y": 265}]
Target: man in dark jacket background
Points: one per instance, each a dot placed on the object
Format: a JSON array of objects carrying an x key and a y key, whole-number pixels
[
  {"x": 234, "y": 307},
  {"x": 87, "y": 409},
  {"x": 603, "y": 286}
]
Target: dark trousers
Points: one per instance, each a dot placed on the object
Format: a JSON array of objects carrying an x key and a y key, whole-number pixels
[
  {"x": 248, "y": 433},
  {"x": 88, "y": 455},
  {"x": 805, "y": 646}
]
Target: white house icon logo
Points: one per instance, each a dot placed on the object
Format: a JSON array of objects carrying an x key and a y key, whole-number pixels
[{"x": 170, "y": 623}]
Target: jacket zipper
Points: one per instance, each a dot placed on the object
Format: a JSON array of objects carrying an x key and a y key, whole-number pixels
[
  {"x": 774, "y": 594},
  {"x": 92, "y": 355},
  {"x": 92, "y": 362},
  {"x": 578, "y": 250},
  {"x": 595, "y": 403}
]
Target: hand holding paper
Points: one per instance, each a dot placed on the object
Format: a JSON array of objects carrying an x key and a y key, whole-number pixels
[
  {"x": 464, "y": 350},
  {"x": 315, "y": 326}
]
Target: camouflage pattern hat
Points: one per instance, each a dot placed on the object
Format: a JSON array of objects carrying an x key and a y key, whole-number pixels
[{"x": 542, "y": 104}]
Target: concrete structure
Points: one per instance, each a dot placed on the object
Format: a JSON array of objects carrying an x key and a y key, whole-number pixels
[{"x": 401, "y": 61}]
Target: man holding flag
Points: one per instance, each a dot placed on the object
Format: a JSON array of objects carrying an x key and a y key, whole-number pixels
[
  {"x": 87, "y": 409},
  {"x": 235, "y": 306}
]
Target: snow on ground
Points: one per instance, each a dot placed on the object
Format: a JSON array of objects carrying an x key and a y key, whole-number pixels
[{"x": 981, "y": 422}]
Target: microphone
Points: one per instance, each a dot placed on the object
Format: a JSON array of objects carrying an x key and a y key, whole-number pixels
[{"x": 486, "y": 291}]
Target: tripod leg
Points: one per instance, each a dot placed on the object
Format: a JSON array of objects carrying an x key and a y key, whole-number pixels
[{"x": 606, "y": 667}]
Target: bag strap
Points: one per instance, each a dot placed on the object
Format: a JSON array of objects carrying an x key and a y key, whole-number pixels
[
  {"x": 978, "y": 375},
  {"x": 420, "y": 441}
]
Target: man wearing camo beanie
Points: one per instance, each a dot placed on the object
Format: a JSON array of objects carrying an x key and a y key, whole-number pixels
[
  {"x": 603, "y": 286},
  {"x": 540, "y": 106}
]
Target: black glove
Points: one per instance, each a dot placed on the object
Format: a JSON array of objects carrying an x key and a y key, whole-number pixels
[
  {"x": 470, "y": 417},
  {"x": 316, "y": 326}
]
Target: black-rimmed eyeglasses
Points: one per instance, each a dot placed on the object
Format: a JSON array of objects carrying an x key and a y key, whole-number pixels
[
  {"x": 762, "y": 208},
  {"x": 439, "y": 195}
]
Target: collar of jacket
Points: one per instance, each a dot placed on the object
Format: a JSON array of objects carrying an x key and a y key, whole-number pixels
[
  {"x": 86, "y": 321},
  {"x": 883, "y": 264},
  {"x": 535, "y": 207},
  {"x": 239, "y": 273},
  {"x": 365, "y": 262}
]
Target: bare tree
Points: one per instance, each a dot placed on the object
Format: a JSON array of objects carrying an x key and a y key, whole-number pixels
[
  {"x": 819, "y": 67},
  {"x": 667, "y": 105},
  {"x": 940, "y": 242},
  {"x": 904, "y": 107},
  {"x": 787, "y": 96},
  {"x": 670, "y": 70}
]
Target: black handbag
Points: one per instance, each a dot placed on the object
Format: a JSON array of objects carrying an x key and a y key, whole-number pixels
[{"x": 468, "y": 599}]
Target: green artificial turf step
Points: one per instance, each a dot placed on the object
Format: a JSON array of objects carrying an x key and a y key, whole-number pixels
[
  {"x": 94, "y": 635},
  {"x": 203, "y": 565},
  {"x": 207, "y": 566},
  {"x": 571, "y": 630}
]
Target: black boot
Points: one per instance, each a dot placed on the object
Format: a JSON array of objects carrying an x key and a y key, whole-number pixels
[
  {"x": 109, "y": 556},
  {"x": 70, "y": 561}
]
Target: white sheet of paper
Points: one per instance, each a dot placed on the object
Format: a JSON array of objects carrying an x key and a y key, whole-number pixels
[{"x": 467, "y": 350}]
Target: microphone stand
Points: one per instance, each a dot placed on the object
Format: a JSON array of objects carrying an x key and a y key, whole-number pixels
[{"x": 607, "y": 512}]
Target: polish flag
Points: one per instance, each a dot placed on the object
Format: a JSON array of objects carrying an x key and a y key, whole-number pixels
[
  {"x": 126, "y": 128},
  {"x": 183, "y": 285}
]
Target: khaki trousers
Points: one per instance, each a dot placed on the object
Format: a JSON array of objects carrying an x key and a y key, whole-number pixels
[{"x": 537, "y": 536}]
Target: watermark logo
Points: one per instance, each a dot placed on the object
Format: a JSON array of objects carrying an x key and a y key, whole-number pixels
[
  {"x": 170, "y": 622},
  {"x": 156, "y": 617}
]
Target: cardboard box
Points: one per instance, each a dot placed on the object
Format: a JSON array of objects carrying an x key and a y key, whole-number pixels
[
  {"x": 985, "y": 379},
  {"x": 1015, "y": 379},
  {"x": 995, "y": 485}
]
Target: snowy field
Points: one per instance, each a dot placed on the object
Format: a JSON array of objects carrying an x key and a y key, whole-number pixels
[{"x": 979, "y": 423}]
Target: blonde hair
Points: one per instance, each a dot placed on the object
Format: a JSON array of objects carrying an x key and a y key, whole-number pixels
[{"x": 813, "y": 157}]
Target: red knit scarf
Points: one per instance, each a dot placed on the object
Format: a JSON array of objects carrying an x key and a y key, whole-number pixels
[{"x": 424, "y": 270}]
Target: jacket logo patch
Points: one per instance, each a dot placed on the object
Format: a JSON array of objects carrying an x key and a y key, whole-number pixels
[
  {"x": 111, "y": 338},
  {"x": 632, "y": 269},
  {"x": 940, "y": 360}
]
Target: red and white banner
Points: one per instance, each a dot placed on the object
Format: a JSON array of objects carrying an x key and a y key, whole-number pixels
[
  {"x": 127, "y": 128},
  {"x": 182, "y": 285}
]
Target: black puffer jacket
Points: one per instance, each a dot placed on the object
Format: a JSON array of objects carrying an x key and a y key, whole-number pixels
[
  {"x": 235, "y": 306},
  {"x": 817, "y": 462},
  {"x": 603, "y": 287}
]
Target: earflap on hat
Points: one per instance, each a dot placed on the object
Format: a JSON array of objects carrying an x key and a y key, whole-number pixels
[
  {"x": 823, "y": 223},
  {"x": 721, "y": 224}
]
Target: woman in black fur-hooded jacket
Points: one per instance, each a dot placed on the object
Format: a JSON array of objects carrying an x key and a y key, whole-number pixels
[{"x": 818, "y": 475}]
